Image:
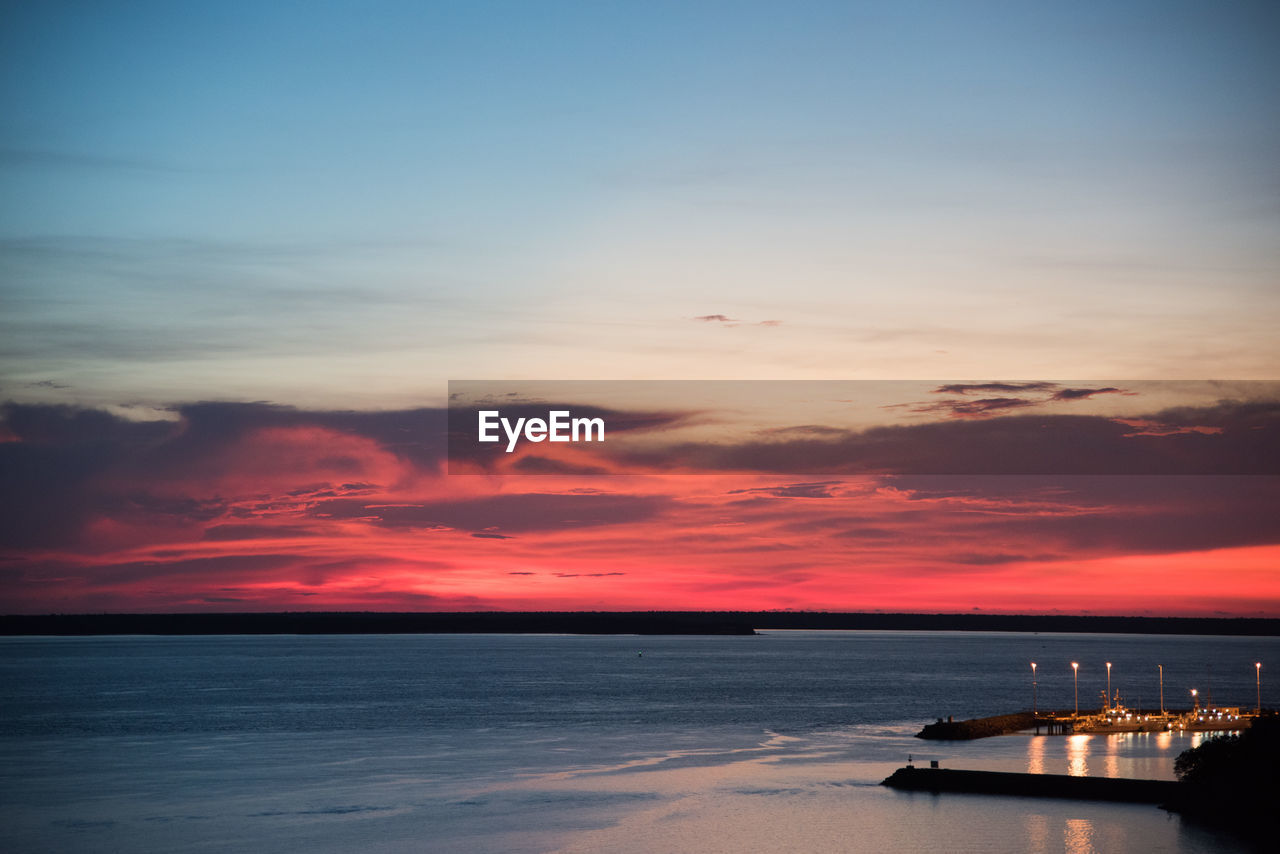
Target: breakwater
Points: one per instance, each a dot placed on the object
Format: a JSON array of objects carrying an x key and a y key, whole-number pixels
[
  {"x": 936, "y": 780},
  {"x": 950, "y": 730}
]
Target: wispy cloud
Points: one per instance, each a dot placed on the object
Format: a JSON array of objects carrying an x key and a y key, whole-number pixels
[
  {"x": 1085, "y": 393},
  {"x": 731, "y": 322},
  {"x": 981, "y": 408},
  {"x": 821, "y": 489},
  {"x": 988, "y": 388},
  {"x": 1020, "y": 395}
]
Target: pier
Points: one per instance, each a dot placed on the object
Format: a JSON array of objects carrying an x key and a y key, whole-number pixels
[{"x": 1117, "y": 720}]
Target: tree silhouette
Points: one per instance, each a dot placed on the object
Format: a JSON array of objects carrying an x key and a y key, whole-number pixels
[{"x": 1234, "y": 780}]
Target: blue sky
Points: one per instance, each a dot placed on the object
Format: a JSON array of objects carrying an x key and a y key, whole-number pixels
[{"x": 346, "y": 204}]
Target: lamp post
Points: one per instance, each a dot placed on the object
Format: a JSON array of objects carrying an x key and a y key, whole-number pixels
[
  {"x": 1161, "y": 666},
  {"x": 1033, "y": 689},
  {"x": 1257, "y": 668},
  {"x": 1108, "y": 686},
  {"x": 1075, "y": 678},
  {"x": 1195, "y": 701}
]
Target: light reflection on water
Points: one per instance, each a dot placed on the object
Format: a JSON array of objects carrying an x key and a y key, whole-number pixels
[
  {"x": 1079, "y": 836},
  {"x": 1037, "y": 833},
  {"x": 1078, "y": 755},
  {"x": 1139, "y": 755},
  {"x": 1111, "y": 762},
  {"x": 1035, "y": 755}
]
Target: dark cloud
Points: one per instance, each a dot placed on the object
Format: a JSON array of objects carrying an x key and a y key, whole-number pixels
[
  {"x": 199, "y": 568},
  {"x": 868, "y": 532},
  {"x": 1159, "y": 516},
  {"x": 995, "y": 558},
  {"x": 520, "y": 513},
  {"x": 1084, "y": 393},
  {"x": 415, "y": 435},
  {"x": 1259, "y": 415},
  {"x": 586, "y": 574},
  {"x": 59, "y": 425},
  {"x": 1085, "y": 516},
  {"x": 994, "y": 388},
  {"x": 181, "y": 508},
  {"x": 982, "y": 408},
  {"x": 1236, "y": 438},
  {"x": 63, "y": 464},
  {"x": 257, "y": 532},
  {"x": 48, "y": 491},
  {"x": 1012, "y": 396},
  {"x": 804, "y": 430},
  {"x": 485, "y": 535},
  {"x": 822, "y": 489},
  {"x": 534, "y": 464},
  {"x": 329, "y": 490},
  {"x": 733, "y": 321},
  {"x": 1145, "y": 427}
]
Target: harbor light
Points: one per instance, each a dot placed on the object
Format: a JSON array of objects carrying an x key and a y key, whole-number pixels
[
  {"x": 1257, "y": 669},
  {"x": 1161, "y": 666},
  {"x": 1195, "y": 700},
  {"x": 1033, "y": 689},
  {"x": 1075, "y": 676},
  {"x": 1108, "y": 686}
]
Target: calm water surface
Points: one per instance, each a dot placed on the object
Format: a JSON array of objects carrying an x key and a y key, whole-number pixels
[{"x": 577, "y": 744}]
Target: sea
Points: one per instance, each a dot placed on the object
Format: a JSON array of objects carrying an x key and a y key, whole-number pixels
[{"x": 569, "y": 743}]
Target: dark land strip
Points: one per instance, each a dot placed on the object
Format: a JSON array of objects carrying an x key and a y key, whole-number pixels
[{"x": 607, "y": 622}]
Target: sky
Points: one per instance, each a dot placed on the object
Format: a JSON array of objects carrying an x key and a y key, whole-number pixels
[{"x": 245, "y": 247}]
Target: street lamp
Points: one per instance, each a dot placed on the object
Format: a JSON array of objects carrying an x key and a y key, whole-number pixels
[
  {"x": 1195, "y": 701},
  {"x": 1257, "y": 667},
  {"x": 1075, "y": 678},
  {"x": 1161, "y": 666},
  {"x": 1033, "y": 689},
  {"x": 1108, "y": 686}
]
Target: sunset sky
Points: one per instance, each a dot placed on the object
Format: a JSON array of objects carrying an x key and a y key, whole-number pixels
[{"x": 244, "y": 247}]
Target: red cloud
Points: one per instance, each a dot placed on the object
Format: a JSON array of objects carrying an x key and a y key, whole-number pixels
[{"x": 266, "y": 508}]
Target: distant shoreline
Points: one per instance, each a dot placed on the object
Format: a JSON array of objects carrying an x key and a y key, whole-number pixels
[{"x": 610, "y": 622}]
